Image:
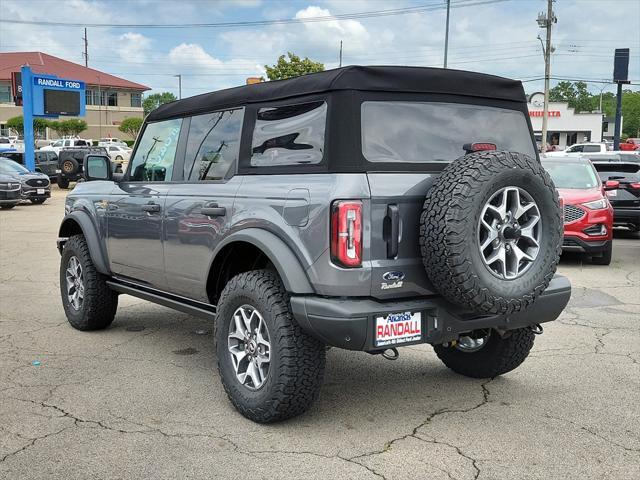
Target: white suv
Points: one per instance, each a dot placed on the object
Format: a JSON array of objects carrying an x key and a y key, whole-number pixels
[
  {"x": 579, "y": 148},
  {"x": 66, "y": 143}
]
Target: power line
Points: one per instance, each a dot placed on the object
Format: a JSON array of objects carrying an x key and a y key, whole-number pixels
[{"x": 283, "y": 21}]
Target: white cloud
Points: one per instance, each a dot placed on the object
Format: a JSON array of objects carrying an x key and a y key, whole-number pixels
[{"x": 133, "y": 47}]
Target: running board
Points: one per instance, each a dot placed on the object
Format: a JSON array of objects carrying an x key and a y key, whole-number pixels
[{"x": 175, "y": 302}]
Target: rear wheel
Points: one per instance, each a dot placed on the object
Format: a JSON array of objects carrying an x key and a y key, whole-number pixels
[
  {"x": 270, "y": 369},
  {"x": 87, "y": 300},
  {"x": 605, "y": 256},
  {"x": 485, "y": 354}
]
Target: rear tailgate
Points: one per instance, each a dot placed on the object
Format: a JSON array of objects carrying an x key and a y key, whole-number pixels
[
  {"x": 628, "y": 175},
  {"x": 396, "y": 203}
]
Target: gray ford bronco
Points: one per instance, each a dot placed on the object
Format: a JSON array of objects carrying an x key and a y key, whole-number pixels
[{"x": 364, "y": 208}]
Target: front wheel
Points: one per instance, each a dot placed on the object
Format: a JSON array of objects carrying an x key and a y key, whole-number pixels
[
  {"x": 485, "y": 354},
  {"x": 38, "y": 201},
  {"x": 87, "y": 300},
  {"x": 269, "y": 367},
  {"x": 605, "y": 256},
  {"x": 63, "y": 182}
]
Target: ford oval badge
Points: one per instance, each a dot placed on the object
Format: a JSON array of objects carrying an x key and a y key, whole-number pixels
[{"x": 393, "y": 276}]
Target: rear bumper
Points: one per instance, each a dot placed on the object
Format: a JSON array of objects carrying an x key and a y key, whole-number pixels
[
  {"x": 350, "y": 323},
  {"x": 624, "y": 216}
]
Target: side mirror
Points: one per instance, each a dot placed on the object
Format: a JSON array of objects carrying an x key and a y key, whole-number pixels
[
  {"x": 97, "y": 167},
  {"x": 611, "y": 185}
]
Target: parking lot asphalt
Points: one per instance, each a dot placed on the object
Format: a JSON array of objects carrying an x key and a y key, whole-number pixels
[{"x": 142, "y": 399}]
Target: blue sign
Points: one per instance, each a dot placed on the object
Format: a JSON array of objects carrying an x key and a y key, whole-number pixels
[{"x": 47, "y": 96}]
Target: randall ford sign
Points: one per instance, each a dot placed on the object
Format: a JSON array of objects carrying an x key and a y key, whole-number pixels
[{"x": 58, "y": 83}]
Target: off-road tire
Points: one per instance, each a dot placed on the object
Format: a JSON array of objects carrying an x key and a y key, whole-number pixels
[
  {"x": 497, "y": 357},
  {"x": 297, "y": 360},
  {"x": 70, "y": 166},
  {"x": 100, "y": 302},
  {"x": 63, "y": 183},
  {"x": 38, "y": 201},
  {"x": 448, "y": 232},
  {"x": 605, "y": 257}
]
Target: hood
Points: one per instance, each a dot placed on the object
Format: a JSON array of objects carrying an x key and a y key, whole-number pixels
[
  {"x": 573, "y": 196},
  {"x": 7, "y": 178}
]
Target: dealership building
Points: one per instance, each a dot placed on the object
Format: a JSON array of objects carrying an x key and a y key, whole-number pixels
[
  {"x": 110, "y": 99},
  {"x": 565, "y": 126}
]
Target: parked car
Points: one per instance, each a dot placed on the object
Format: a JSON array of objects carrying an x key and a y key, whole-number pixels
[
  {"x": 119, "y": 155},
  {"x": 46, "y": 162},
  {"x": 35, "y": 186},
  {"x": 106, "y": 142},
  {"x": 9, "y": 192},
  {"x": 70, "y": 163},
  {"x": 624, "y": 194},
  {"x": 588, "y": 215},
  {"x": 335, "y": 208},
  {"x": 66, "y": 143},
  {"x": 579, "y": 148},
  {"x": 631, "y": 145},
  {"x": 625, "y": 157}
]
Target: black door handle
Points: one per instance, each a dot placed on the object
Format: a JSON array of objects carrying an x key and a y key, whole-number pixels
[
  {"x": 393, "y": 215},
  {"x": 151, "y": 208},
  {"x": 213, "y": 210}
]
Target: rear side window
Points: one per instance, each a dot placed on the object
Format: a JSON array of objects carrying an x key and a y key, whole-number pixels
[
  {"x": 289, "y": 135},
  {"x": 213, "y": 145},
  {"x": 154, "y": 157},
  {"x": 420, "y": 132},
  {"x": 591, "y": 148}
]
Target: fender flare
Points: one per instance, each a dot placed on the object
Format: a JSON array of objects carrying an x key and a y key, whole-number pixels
[
  {"x": 293, "y": 276},
  {"x": 83, "y": 220}
]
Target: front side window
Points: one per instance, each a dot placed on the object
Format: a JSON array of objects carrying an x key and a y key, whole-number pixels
[
  {"x": 289, "y": 135},
  {"x": 57, "y": 143},
  {"x": 421, "y": 132},
  {"x": 213, "y": 145},
  {"x": 154, "y": 157},
  {"x": 577, "y": 148}
]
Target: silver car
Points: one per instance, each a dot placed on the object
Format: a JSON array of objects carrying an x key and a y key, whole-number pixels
[
  {"x": 9, "y": 192},
  {"x": 36, "y": 186}
]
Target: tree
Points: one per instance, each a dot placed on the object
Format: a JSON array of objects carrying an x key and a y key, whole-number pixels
[
  {"x": 293, "y": 67},
  {"x": 59, "y": 127},
  {"x": 16, "y": 124},
  {"x": 154, "y": 101},
  {"x": 75, "y": 126},
  {"x": 131, "y": 126},
  {"x": 576, "y": 95}
]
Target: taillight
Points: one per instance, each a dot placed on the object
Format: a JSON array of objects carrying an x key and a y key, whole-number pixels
[
  {"x": 635, "y": 186},
  {"x": 478, "y": 147},
  {"x": 346, "y": 233}
]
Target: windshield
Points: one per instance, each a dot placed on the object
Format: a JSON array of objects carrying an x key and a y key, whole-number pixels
[
  {"x": 418, "y": 132},
  {"x": 9, "y": 166},
  {"x": 572, "y": 175}
]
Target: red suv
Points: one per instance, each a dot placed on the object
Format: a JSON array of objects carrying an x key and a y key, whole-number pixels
[{"x": 588, "y": 215}]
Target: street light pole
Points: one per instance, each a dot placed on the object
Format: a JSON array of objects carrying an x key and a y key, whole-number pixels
[
  {"x": 446, "y": 35},
  {"x": 179, "y": 86},
  {"x": 546, "y": 21}
]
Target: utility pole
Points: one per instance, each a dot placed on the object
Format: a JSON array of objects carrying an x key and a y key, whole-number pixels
[
  {"x": 341, "y": 53},
  {"x": 446, "y": 35},
  {"x": 86, "y": 48},
  {"x": 546, "y": 21},
  {"x": 179, "y": 86}
]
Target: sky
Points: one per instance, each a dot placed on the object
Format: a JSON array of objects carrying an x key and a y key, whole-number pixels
[{"x": 491, "y": 36}]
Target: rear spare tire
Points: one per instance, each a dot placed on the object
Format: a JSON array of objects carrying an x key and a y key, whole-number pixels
[
  {"x": 490, "y": 232},
  {"x": 70, "y": 166}
]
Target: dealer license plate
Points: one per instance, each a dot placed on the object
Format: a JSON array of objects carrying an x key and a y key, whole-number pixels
[
  {"x": 40, "y": 191},
  {"x": 398, "y": 328},
  {"x": 612, "y": 193}
]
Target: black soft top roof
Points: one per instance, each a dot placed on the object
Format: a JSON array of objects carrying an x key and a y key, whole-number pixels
[{"x": 380, "y": 79}]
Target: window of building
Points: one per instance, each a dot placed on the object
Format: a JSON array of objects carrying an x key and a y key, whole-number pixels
[
  {"x": 112, "y": 99},
  {"x": 88, "y": 95},
  {"x": 136, "y": 100},
  {"x": 213, "y": 145},
  {"x": 5, "y": 94},
  {"x": 154, "y": 157},
  {"x": 289, "y": 135}
]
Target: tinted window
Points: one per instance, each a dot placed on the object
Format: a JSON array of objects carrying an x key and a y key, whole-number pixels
[
  {"x": 624, "y": 172},
  {"x": 289, "y": 135},
  {"x": 154, "y": 157},
  {"x": 416, "y": 132},
  {"x": 577, "y": 148},
  {"x": 213, "y": 145}
]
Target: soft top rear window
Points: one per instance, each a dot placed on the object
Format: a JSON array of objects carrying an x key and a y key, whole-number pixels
[{"x": 422, "y": 132}]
